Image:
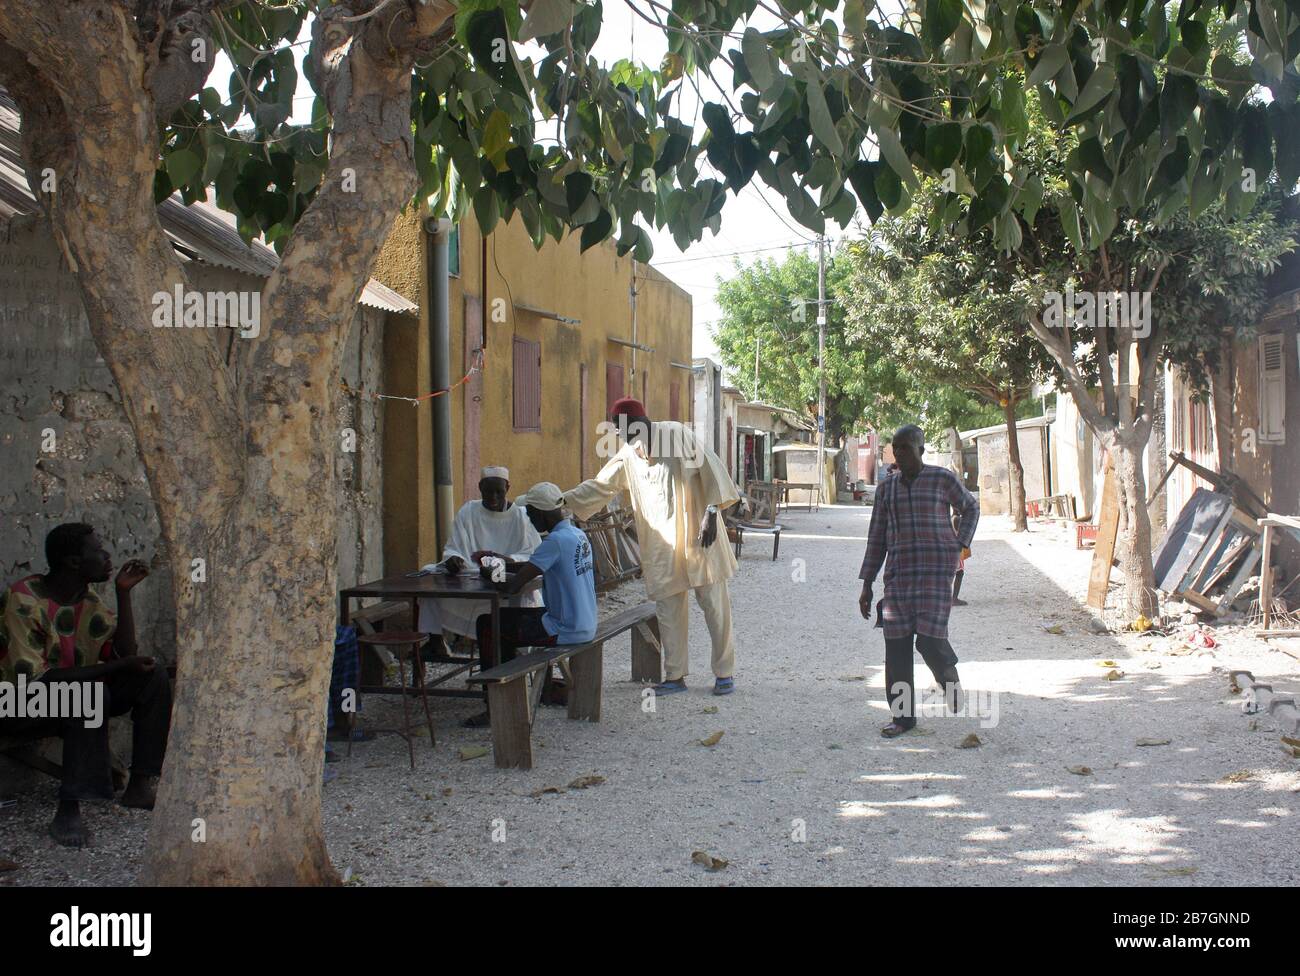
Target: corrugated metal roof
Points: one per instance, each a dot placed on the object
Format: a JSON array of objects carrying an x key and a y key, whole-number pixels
[{"x": 199, "y": 232}]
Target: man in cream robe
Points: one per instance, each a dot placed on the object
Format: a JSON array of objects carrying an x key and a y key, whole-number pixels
[
  {"x": 678, "y": 488},
  {"x": 488, "y": 526}
]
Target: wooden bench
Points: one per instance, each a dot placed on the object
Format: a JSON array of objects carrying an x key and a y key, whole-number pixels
[
  {"x": 25, "y": 750},
  {"x": 513, "y": 703}
]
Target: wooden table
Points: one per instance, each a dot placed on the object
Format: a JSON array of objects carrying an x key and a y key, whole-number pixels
[
  {"x": 814, "y": 493},
  {"x": 440, "y": 586}
]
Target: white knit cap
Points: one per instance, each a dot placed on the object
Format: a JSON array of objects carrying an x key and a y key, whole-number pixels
[
  {"x": 496, "y": 472},
  {"x": 544, "y": 496}
]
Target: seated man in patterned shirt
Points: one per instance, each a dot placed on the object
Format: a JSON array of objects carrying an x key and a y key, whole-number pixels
[{"x": 56, "y": 629}]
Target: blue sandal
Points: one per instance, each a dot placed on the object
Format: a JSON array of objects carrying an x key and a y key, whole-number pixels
[
  {"x": 670, "y": 687},
  {"x": 724, "y": 686}
]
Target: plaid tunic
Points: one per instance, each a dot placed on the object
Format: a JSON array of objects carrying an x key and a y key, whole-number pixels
[{"x": 912, "y": 524}]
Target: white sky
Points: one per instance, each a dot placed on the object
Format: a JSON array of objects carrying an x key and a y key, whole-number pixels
[{"x": 755, "y": 224}]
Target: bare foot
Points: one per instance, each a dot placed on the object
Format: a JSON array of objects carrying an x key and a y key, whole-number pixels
[
  {"x": 141, "y": 792},
  {"x": 66, "y": 828}
]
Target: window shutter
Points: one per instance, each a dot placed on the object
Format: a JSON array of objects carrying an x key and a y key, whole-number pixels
[
  {"x": 527, "y": 384},
  {"x": 1272, "y": 389}
]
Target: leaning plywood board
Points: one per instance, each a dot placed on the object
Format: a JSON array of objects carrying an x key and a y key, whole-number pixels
[
  {"x": 1107, "y": 529},
  {"x": 1203, "y": 517}
]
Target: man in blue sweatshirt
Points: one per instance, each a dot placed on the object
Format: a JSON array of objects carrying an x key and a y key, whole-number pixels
[{"x": 563, "y": 560}]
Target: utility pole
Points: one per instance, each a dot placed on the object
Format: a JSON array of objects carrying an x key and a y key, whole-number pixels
[{"x": 821, "y": 364}]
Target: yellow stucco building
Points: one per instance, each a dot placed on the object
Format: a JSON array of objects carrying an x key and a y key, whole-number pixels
[{"x": 559, "y": 336}]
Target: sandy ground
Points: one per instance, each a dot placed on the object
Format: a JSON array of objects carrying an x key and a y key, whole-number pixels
[{"x": 801, "y": 789}]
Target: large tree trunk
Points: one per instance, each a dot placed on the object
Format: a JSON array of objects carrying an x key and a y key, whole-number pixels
[
  {"x": 237, "y": 444},
  {"x": 1015, "y": 470},
  {"x": 1134, "y": 549}
]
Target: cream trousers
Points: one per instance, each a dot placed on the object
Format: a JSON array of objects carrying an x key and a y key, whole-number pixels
[{"x": 674, "y": 615}]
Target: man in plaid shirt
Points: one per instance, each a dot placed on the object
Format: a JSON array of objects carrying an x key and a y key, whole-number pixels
[{"x": 911, "y": 523}]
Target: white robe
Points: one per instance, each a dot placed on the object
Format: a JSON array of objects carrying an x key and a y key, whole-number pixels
[
  {"x": 669, "y": 497},
  {"x": 477, "y": 527}
]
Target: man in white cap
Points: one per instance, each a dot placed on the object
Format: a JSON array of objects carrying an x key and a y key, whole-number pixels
[
  {"x": 563, "y": 560},
  {"x": 488, "y": 526}
]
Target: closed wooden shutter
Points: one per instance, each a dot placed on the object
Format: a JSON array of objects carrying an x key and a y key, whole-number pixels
[
  {"x": 527, "y": 384},
  {"x": 613, "y": 385},
  {"x": 1272, "y": 389}
]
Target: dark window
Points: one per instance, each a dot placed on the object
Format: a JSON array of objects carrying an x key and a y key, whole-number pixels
[{"x": 527, "y": 384}]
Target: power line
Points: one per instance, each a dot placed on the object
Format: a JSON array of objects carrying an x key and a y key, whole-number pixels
[{"x": 732, "y": 254}]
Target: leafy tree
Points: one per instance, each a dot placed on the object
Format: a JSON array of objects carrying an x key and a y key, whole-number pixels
[
  {"x": 434, "y": 98},
  {"x": 954, "y": 312},
  {"x": 868, "y": 385},
  {"x": 771, "y": 307}
]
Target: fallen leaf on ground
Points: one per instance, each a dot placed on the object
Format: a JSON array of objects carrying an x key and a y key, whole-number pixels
[
  {"x": 853, "y": 677},
  {"x": 1290, "y": 741},
  {"x": 1080, "y": 770},
  {"x": 710, "y": 709},
  {"x": 971, "y": 741},
  {"x": 1154, "y": 742},
  {"x": 473, "y": 752},
  {"x": 537, "y": 794},
  {"x": 1055, "y": 629},
  {"x": 711, "y": 740},
  {"x": 582, "y": 782},
  {"x": 1240, "y": 776},
  {"x": 8, "y": 865},
  {"x": 1107, "y": 664},
  {"x": 708, "y": 860},
  {"x": 1114, "y": 675}
]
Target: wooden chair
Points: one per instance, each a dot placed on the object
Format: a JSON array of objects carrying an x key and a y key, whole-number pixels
[{"x": 761, "y": 502}]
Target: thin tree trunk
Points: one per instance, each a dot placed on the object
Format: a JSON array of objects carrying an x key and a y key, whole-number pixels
[
  {"x": 1015, "y": 469},
  {"x": 1134, "y": 549}
]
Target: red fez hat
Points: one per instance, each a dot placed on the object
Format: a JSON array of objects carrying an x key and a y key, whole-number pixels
[{"x": 629, "y": 407}]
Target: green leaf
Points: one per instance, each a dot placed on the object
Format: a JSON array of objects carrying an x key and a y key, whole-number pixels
[
  {"x": 819, "y": 115},
  {"x": 1100, "y": 86},
  {"x": 495, "y": 141},
  {"x": 1050, "y": 61},
  {"x": 942, "y": 144},
  {"x": 940, "y": 20},
  {"x": 1178, "y": 99},
  {"x": 488, "y": 40},
  {"x": 759, "y": 61},
  {"x": 546, "y": 17},
  {"x": 862, "y": 177},
  {"x": 596, "y": 230},
  {"x": 1069, "y": 214},
  {"x": 893, "y": 153},
  {"x": 487, "y": 208},
  {"x": 182, "y": 165}
]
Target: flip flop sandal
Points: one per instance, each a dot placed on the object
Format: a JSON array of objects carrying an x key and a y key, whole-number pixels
[
  {"x": 893, "y": 730},
  {"x": 669, "y": 688},
  {"x": 724, "y": 686}
]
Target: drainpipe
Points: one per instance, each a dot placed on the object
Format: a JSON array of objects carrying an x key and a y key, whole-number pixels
[
  {"x": 439, "y": 231},
  {"x": 631, "y": 292}
]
